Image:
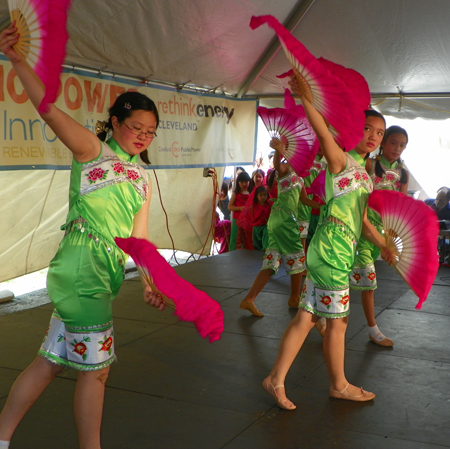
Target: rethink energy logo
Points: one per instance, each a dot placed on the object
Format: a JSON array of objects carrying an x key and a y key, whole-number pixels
[{"x": 180, "y": 107}]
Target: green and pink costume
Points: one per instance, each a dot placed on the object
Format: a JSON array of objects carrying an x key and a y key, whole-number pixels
[
  {"x": 331, "y": 252},
  {"x": 284, "y": 243},
  {"x": 87, "y": 271},
  {"x": 363, "y": 275}
]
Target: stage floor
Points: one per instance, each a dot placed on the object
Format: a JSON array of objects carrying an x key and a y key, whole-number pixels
[{"x": 171, "y": 389}]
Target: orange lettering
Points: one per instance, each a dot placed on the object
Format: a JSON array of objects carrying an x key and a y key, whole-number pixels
[
  {"x": 10, "y": 86},
  {"x": 75, "y": 104},
  {"x": 95, "y": 95},
  {"x": 114, "y": 92},
  {"x": 2, "y": 81}
]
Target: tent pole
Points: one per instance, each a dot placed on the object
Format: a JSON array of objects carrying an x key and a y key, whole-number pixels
[{"x": 296, "y": 15}]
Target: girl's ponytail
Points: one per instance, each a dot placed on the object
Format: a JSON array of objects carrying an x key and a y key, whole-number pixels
[
  {"x": 102, "y": 128},
  {"x": 379, "y": 171},
  {"x": 404, "y": 175}
]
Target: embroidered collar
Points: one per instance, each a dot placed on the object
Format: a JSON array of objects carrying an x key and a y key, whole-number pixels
[
  {"x": 122, "y": 154},
  {"x": 387, "y": 164},
  {"x": 358, "y": 158}
]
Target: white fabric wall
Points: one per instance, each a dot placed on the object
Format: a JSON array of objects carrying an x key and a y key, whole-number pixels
[{"x": 34, "y": 205}]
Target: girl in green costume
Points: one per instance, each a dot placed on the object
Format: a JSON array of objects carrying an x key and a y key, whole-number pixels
[
  {"x": 284, "y": 243},
  {"x": 387, "y": 173},
  {"x": 330, "y": 258},
  {"x": 109, "y": 196}
]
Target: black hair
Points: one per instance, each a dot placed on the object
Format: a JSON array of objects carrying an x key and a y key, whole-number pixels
[
  {"x": 379, "y": 171},
  {"x": 271, "y": 178},
  {"x": 373, "y": 113},
  {"x": 243, "y": 176},
  {"x": 123, "y": 107},
  {"x": 258, "y": 190}
]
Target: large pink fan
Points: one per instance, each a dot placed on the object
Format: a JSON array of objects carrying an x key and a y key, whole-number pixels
[
  {"x": 42, "y": 28},
  {"x": 411, "y": 232},
  {"x": 191, "y": 304},
  {"x": 341, "y": 95},
  {"x": 291, "y": 126}
]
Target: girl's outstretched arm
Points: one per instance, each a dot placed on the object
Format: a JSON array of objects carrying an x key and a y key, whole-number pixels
[
  {"x": 334, "y": 155},
  {"x": 84, "y": 145}
]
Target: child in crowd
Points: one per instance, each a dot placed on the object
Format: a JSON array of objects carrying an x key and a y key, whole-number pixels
[
  {"x": 257, "y": 179},
  {"x": 239, "y": 240},
  {"x": 387, "y": 173},
  {"x": 331, "y": 256}
]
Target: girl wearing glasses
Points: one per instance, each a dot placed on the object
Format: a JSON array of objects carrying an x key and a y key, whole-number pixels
[{"x": 109, "y": 196}]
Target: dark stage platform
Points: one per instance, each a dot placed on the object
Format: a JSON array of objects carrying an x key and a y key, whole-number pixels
[{"x": 171, "y": 389}]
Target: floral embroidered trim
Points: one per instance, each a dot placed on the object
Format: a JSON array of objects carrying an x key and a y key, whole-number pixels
[
  {"x": 389, "y": 181},
  {"x": 109, "y": 170},
  {"x": 351, "y": 179},
  {"x": 363, "y": 277},
  {"x": 290, "y": 181},
  {"x": 332, "y": 316}
]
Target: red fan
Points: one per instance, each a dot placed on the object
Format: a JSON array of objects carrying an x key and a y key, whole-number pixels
[
  {"x": 191, "y": 304},
  {"x": 293, "y": 129},
  {"x": 340, "y": 95},
  {"x": 411, "y": 232},
  {"x": 42, "y": 28}
]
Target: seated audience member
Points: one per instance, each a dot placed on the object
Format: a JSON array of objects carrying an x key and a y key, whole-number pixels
[{"x": 441, "y": 204}]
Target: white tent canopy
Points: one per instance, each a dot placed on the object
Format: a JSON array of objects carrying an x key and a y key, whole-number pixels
[{"x": 399, "y": 46}]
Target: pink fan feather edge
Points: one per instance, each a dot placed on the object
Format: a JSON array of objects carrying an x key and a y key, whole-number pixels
[
  {"x": 191, "y": 304},
  {"x": 341, "y": 106},
  {"x": 420, "y": 230},
  {"x": 52, "y": 20},
  {"x": 54, "y": 49}
]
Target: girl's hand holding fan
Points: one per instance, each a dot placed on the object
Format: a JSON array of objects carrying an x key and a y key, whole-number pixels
[
  {"x": 190, "y": 304},
  {"x": 340, "y": 95},
  {"x": 292, "y": 135},
  {"x": 40, "y": 40}
]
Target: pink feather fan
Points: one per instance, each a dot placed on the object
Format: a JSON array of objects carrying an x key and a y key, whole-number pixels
[
  {"x": 191, "y": 304},
  {"x": 42, "y": 28},
  {"x": 411, "y": 232},
  {"x": 291, "y": 126},
  {"x": 341, "y": 95}
]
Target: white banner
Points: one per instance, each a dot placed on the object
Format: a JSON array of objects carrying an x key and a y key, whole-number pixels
[{"x": 196, "y": 130}]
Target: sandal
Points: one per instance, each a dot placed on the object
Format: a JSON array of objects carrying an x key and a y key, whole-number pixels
[{"x": 285, "y": 404}]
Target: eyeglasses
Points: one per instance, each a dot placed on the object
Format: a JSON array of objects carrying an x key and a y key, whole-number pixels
[{"x": 138, "y": 132}]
